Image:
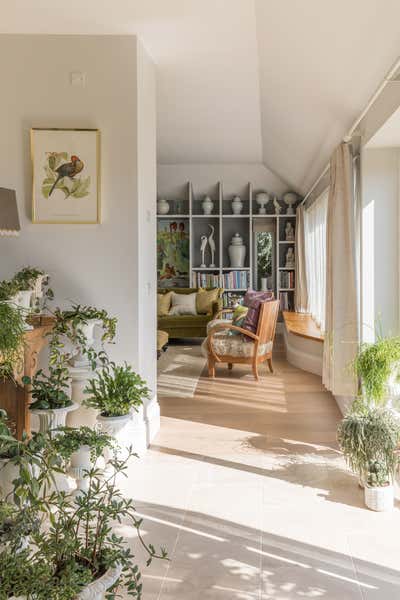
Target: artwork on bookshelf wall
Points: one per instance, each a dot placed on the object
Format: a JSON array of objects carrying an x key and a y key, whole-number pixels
[{"x": 173, "y": 253}]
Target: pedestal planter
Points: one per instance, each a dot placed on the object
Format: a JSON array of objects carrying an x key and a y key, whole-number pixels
[
  {"x": 81, "y": 463},
  {"x": 379, "y": 498},
  {"x": 53, "y": 418},
  {"x": 8, "y": 472},
  {"x": 84, "y": 415},
  {"x": 80, "y": 359},
  {"x": 115, "y": 426}
]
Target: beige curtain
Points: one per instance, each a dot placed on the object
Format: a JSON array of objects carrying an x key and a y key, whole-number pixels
[
  {"x": 342, "y": 311},
  {"x": 301, "y": 303}
]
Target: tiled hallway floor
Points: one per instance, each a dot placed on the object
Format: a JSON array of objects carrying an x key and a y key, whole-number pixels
[{"x": 245, "y": 487}]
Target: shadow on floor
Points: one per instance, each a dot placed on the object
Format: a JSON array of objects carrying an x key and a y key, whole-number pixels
[{"x": 217, "y": 559}]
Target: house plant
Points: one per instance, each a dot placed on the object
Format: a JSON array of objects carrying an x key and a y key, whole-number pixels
[
  {"x": 51, "y": 402},
  {"x": 378, "y": 367},
  {"x": 12, "y": 328},
  {"x": 81, "y": 448},
  {"x": 36, "y": 280},
  {"x": 369, "y": 437},
  {"x": 79, "y": 557},
  {"x": 77, "y": 325},
  {"x": 114, "y": 392}
]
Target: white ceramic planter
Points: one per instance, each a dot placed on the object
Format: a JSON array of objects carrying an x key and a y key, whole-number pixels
[
  {"x": 53, "y": 418},
  {"x": 237, "y": 205},
  {"x": 95, "y": 590},
  {"x": 116, "y": 427},
  {"x": 8, "y": 472},
  {"x": 162, "y": 207},
  {"x": 23, "y": 299},
  {"x": 80, "y": 359},
  {"x": 237, "y": 251},
  {"x": 379, "y": 498},
  {"x": 81, "y": 463}
]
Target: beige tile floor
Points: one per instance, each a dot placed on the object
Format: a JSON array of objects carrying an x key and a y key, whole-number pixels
[{"x": 245, "y": 487}]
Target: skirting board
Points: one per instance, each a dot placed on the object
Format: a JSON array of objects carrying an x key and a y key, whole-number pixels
[{"x": 152, "y": 419}]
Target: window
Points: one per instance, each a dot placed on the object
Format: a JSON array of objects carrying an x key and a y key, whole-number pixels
[{"x": 315, "y": 241}]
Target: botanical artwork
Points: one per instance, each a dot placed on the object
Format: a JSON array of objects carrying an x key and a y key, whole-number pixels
[
  {"x": 65, "y": 166},
  {"x": 173, "y": 253}
]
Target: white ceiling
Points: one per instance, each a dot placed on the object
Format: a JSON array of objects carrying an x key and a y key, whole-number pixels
[{"x": 273, "y": 81}]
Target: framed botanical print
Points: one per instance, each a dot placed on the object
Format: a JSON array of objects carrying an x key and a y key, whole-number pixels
[{"x": 66, "y": 175}]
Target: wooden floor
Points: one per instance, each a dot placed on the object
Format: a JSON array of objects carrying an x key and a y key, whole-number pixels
[{"x": 246, "y": 488}]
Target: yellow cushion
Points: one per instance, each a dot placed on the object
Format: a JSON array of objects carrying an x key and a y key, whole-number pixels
[
  {"x": 239, "y": 312},
  {"x": 163, "y": 304},
  {"x": 205, "y": 299}
]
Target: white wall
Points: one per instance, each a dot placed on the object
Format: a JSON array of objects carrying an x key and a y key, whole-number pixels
[
  {"x": 91, "y": 264},
  {"x": 380, "y": 241},
  {"x": 234, "y": 178}
]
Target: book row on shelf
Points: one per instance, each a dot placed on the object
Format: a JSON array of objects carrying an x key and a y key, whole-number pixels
[
  {"x": 286, "y": 301},
  {"x": 286, "y": 279},
  {"x": 234, "y": 280}
]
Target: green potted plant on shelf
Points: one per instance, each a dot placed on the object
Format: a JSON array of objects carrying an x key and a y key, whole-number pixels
[
  {"x": 37, "y": 281},
  {"x": 369, "y": 437},
  {"x": 378, "y": 367},
  {"x": 115, "y": 392},
  {"x": 81, "y": 448},
  {"x": 50, "y": 395},
  {"x": 12, "y": 329},
  {"x": 77, "y": 325},
  {"x": 79, "y": 556}
]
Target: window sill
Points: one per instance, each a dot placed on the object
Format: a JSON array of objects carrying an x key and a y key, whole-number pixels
[{"x": 302, "y": 325}]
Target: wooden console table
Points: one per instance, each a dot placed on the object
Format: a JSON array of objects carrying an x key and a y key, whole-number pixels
[{"x": 15, "y": 399}]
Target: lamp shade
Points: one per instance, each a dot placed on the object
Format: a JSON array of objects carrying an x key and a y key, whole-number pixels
[{"x": 9, "y": 221}]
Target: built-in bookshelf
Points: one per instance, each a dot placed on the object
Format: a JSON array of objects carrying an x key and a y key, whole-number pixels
[{"x": 186, "y": 214}]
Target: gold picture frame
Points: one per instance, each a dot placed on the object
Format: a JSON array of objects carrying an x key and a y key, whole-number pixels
[{"x": 65, "y": 176}]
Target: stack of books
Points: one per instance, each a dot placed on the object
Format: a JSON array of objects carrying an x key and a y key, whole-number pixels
[
  {"x": 286, "y": 302},
  {"x": 286, "y": 279}
]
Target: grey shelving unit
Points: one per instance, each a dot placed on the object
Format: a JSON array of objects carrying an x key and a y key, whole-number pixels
[{"x": 187, "y": 204}]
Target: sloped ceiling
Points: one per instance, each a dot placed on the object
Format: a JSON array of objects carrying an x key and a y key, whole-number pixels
[{"x": 273, "y": 81}]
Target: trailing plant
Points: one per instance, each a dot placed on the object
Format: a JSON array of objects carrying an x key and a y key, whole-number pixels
[
  {"x": 115, "y": 390},
  {"x": 78, "y": 545},
  {"x": 12, "y": 328},
  {"x": 49, "y": 391},
  {"x": 72, "y": 439},
  {"x": 26, "y": 279},
  {"x": 374, "y": 365},
  {"x": 8, "y": 289},
  {"x": 69, "y": 325},
  {"x": 368, "y": 437}
]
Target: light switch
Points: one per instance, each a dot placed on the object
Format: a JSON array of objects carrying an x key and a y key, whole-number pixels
[{"x": 78, "y": 79}]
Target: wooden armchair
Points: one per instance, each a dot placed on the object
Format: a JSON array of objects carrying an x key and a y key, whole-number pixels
[{"x": 223, "y": 347}]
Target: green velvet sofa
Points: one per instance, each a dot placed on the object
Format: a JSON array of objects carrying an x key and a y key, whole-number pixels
[{"x": 187, "y": 326}]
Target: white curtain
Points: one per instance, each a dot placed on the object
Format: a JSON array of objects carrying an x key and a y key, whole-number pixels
[
  {"x": 342, "y": 301},
  {"x": 301, "y": 303},
  {"x": 315, "y": 240}
]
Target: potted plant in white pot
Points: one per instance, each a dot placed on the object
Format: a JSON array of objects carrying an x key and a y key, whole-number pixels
[
  {"x": 36, "y": 281},
  {"x": 77, "y": 325},
  {"x": 79, "y": 556},
  {"x": 115, "y": 392},
  {"x": 369, "y": 437},
  {"x": 51, "y": 402},
  {"x": 81, "y": 448},
  {"x": 378, "y": 367}
]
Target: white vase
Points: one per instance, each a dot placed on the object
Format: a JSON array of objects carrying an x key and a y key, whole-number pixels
[
  {"x": 237, "y": 205},
  {"x": 97, "y": 589},
  {"x": 379, "y": 498},
  {"x": 8, "y": 472},
  {"x": 80, "y": 360},
  {"x": 53, "y": 417},
  {"x": 162, "y": 207},
  {"x": 207, "y": 205},
  {"x": 262, "y": 200},
  {"x": 81, "y": 463},
  {"x": 116, "y": 427},
  {"x": 264, "y": 284},
  {"x": 237, "y": 251}
]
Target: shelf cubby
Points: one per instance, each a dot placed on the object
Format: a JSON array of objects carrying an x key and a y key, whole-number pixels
[
  {"x": 229, "y": 228},
  {"x": 201, "y": 227},
  {"x": 198, "y": 195}
]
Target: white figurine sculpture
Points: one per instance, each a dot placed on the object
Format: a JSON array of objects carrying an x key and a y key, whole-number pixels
[
  {"x": 290, "y": 259},
  {"x": 211, "y": 243},
  {"x": 203, "y": 246},
  {"x": 290, "y": 198},
  {"x": 278, "y": 207},
  {"x": 262, "y": 199},
  {"x": 289, "y": 232}
]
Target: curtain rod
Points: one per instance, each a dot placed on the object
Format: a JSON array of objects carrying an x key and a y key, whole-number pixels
[{"x": 348, "y": 137}]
